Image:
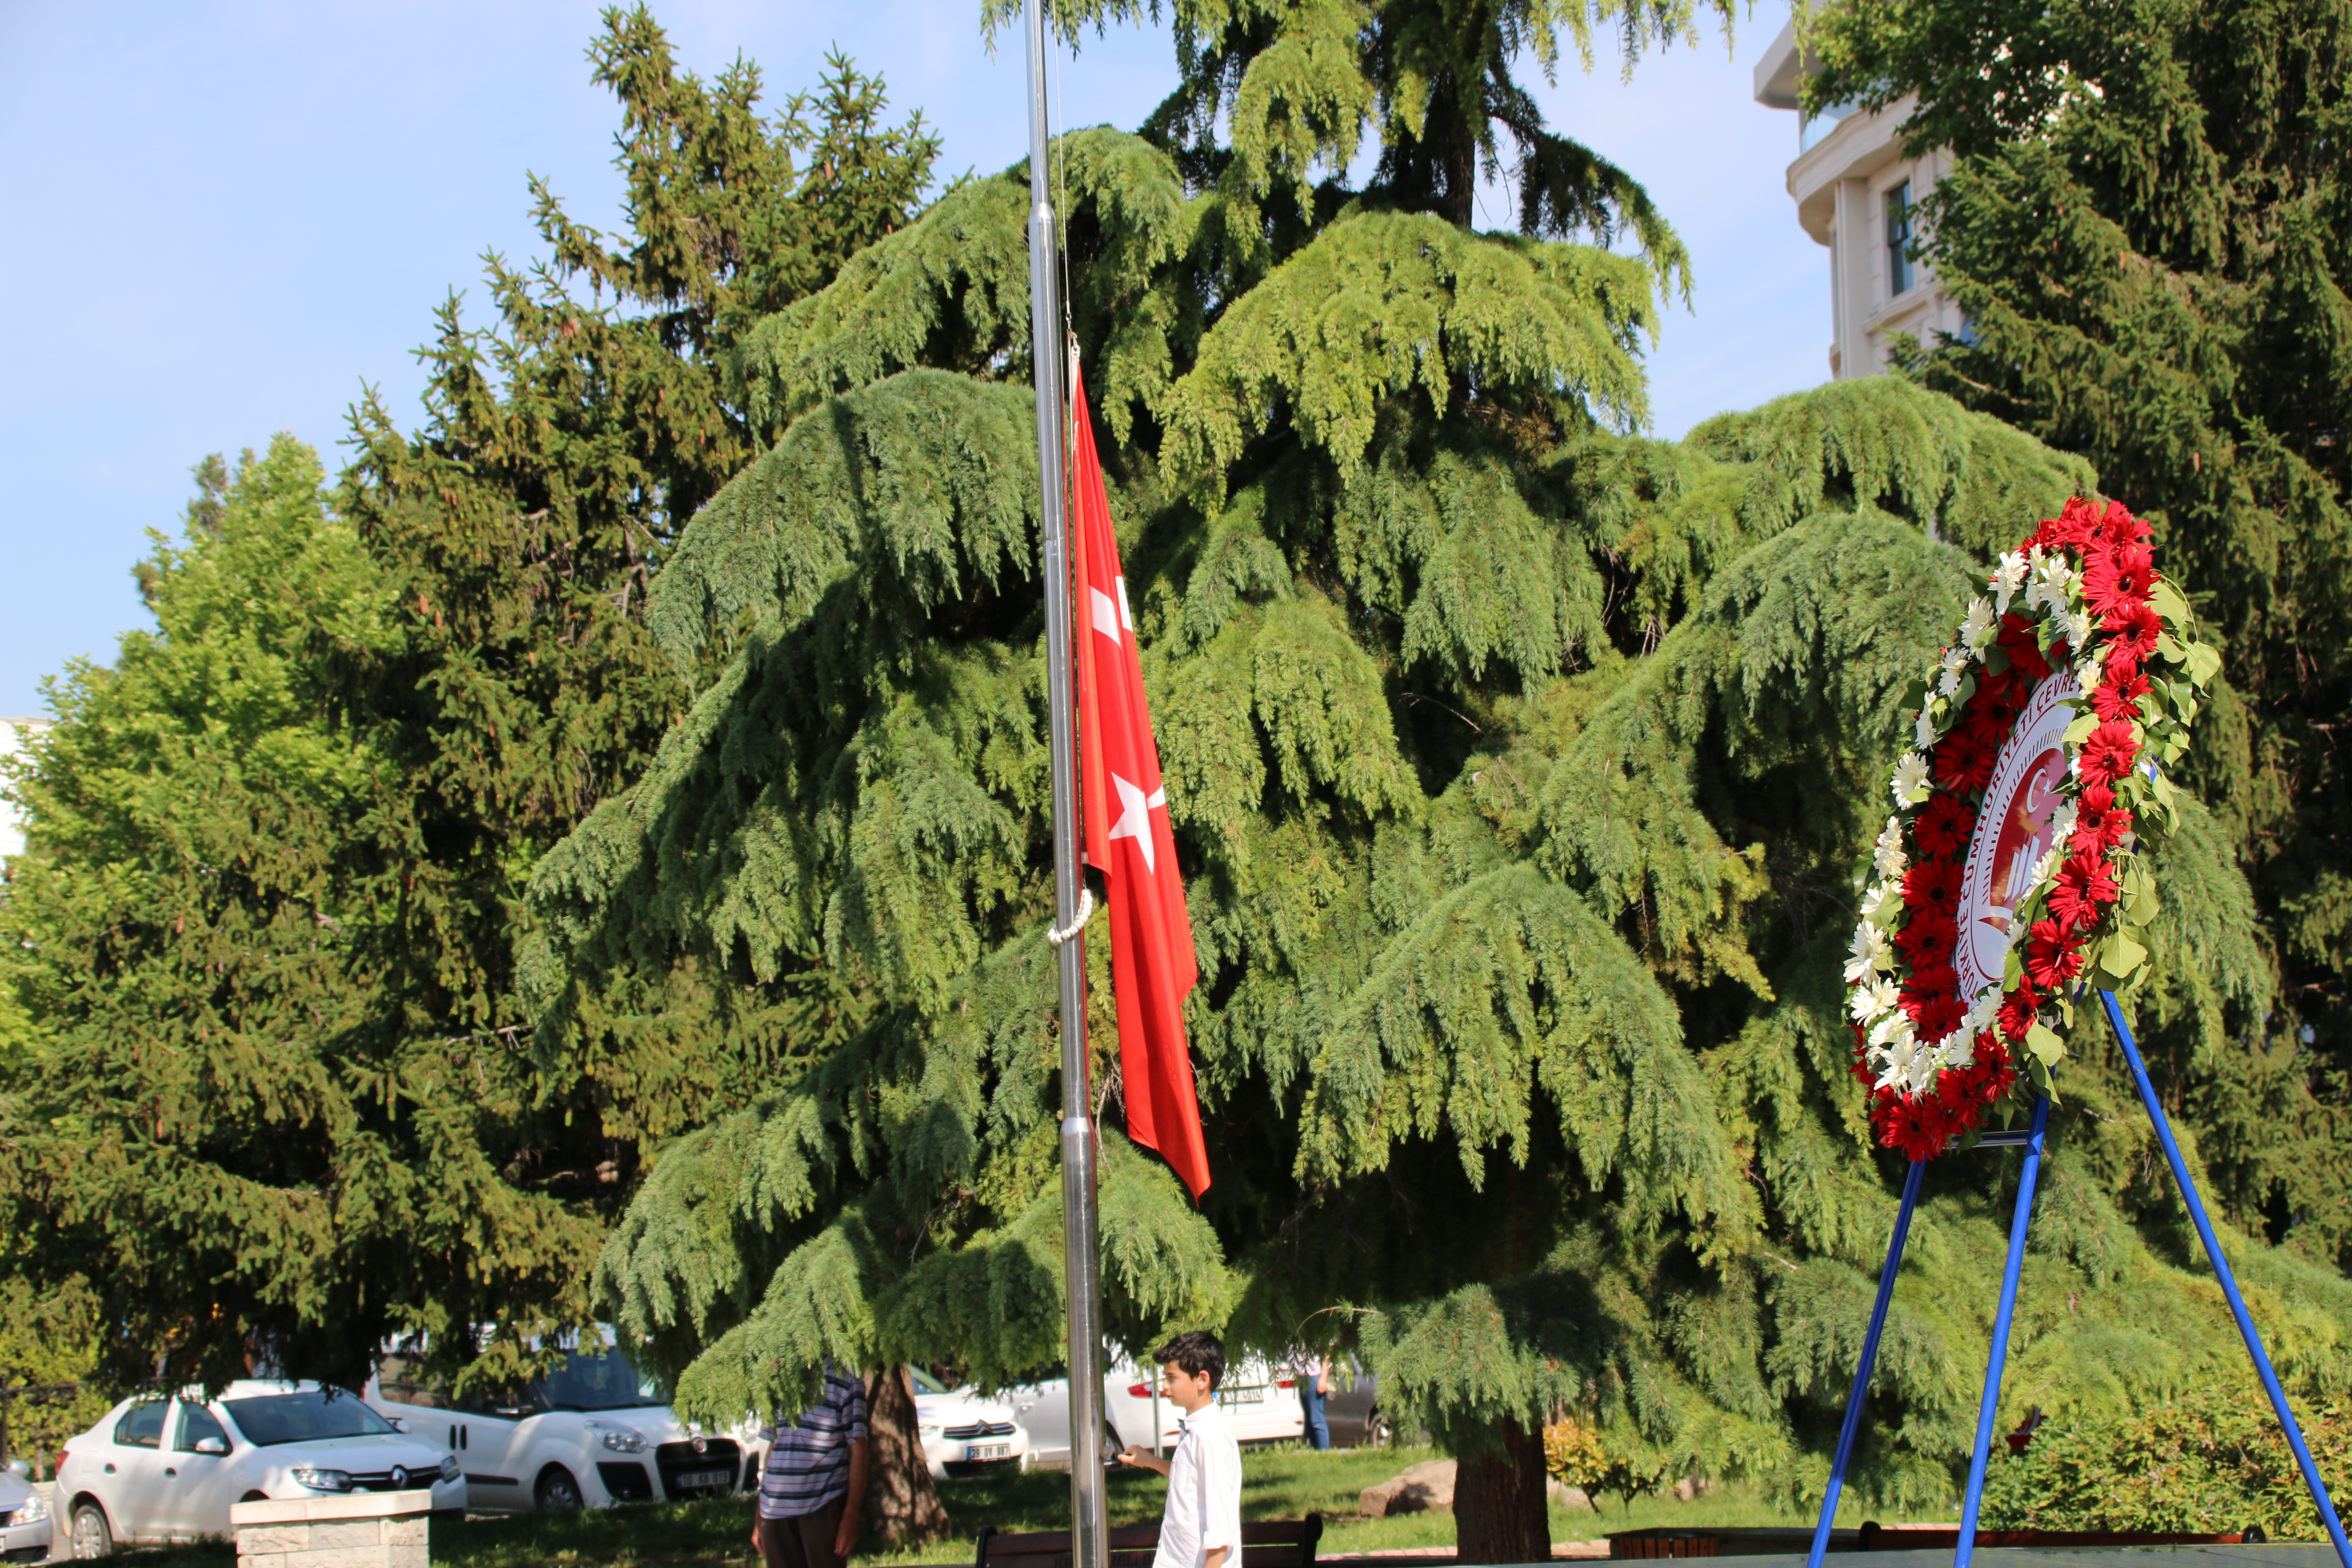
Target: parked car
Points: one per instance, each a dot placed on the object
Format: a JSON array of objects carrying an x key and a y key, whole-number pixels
[
  {"x": 25, "y": 1529},
  {"x": 157, "y": 1469},
  {"x": 1260, "y": 1401},
  {"x": 962, "y": 1434},
  {"x": 592, "y": 1433}
]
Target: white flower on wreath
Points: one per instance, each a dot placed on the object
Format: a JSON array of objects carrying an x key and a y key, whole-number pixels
[
  {"x": 1882, "y": 902},
  {"x": 1872, "y": 1000},
  {"x": 1910, "y": 779},
  {"x": 1976, "y": 629},
  {"x": 2008, "y": 579},
  {"x": 1924, "y": 732},
  {"x": 1863, "y": 959},
  {"x": 1886, "y": 854},
  {"x": 2051, "y": 581}
]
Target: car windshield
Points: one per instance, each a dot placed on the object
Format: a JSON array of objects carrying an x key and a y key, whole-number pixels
[
  {"x": 925, "y": 1383},
  {"x": 599, "y": 1380},
  {"x": 270, "y": 1419}
]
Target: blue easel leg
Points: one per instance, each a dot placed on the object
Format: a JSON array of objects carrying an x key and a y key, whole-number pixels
[
  {"x": 2229, "y": 1282},
  {"x": 1869, "y": 1356},
  {"x": 1999, "y": 1356}
]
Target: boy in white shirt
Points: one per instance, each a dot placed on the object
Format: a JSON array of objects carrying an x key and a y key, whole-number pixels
[{"x": 1201, "y": 1527}]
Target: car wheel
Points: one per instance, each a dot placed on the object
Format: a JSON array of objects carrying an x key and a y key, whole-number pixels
[
  {"x": 558, "y": 1492},
  {"x": 92, "y": 1538},
  {"x": 1376, "y": 1430}
]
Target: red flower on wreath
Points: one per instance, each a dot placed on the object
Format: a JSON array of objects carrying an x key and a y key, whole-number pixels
[
  {"x": 2120, "y": 526},
  {"x": 2119, "y": 699},
  {"x": 2024, "y": 650},
  {"x": 1932, "y": 883},
  {"x": 2096, "y": 832},
  {"x": 1943, "y": 827},
  {"x": 1928, "y": 937},
  {"x": 2124, "y": 574},
  {"x": 2108, "y": 755},
  {"x": 2084, "y": 884},
  {"x": 2077, "y": 525},
  {"x": 2051, "y": 955},
  {"x": 2132, "y": 630},
  {"x": 2018, "y": 1010},
  {"x": 1964, "y": 758}
]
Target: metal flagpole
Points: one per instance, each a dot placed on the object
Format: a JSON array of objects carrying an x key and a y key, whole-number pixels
[{"x": 1089, "y": 1539}]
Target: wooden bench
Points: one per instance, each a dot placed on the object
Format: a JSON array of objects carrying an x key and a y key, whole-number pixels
[{"x": 1269, "y": 1543}]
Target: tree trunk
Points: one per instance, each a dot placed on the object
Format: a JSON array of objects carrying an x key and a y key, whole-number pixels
[
  {"x": 1499, "y": 1513},
  {"x": 902, "y": 1506}
]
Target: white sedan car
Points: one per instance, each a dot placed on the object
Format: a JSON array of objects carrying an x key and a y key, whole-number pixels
[
  {"x": 1260, "y": 1401},
  {"x": 157, "y": 1469},
  {"x": 964, "y": 1433},
  {"x": 592, "y": 1433},
  {"x": 25, "y": 1527}
]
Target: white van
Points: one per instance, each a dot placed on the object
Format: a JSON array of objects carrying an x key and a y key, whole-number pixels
[{"x": 592, "y": 1433}]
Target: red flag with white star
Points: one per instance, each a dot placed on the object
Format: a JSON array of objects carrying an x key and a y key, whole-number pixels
[{"x": 1151, "y": 961}]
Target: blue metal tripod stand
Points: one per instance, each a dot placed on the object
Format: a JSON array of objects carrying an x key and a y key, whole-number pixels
[{"x": 2030, "y": 1141}]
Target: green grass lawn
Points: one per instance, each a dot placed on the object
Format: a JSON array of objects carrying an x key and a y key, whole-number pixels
[{"x": 1281, "y": 1483}]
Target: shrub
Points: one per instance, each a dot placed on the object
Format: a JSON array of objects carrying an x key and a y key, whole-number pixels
[{"x": 2212, "y": 1462}]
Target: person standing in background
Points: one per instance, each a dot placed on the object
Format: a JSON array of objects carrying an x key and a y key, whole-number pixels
[
  {"x": 1314, "y": 1375},
  {"x": 812, "y": 1487}
]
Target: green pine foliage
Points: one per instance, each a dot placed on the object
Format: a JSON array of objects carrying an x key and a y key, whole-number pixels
[
  {"x": 1518, "y": 765},
  {"x": 274, "y": 1089},
  {"x": 215, "y": 1120},
  {"x": 2149, "y": 222}
]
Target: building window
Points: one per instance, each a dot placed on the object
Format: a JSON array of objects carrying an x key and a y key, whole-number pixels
[{"x": 1898, "y": 239}]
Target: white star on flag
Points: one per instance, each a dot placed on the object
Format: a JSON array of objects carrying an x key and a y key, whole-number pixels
[{"x": 1135, "y": 817}]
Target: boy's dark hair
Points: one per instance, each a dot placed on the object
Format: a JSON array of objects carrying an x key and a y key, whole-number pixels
[{"x": 1197, "y": 1352}]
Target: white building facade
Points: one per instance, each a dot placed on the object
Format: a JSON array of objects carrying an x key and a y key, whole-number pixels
[
  {"x": 16, "y": 734},
  {"x": 1857, "y": 194}
]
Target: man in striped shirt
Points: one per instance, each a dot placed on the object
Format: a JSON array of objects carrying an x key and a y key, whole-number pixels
[{"x": 814, "y": 1486}]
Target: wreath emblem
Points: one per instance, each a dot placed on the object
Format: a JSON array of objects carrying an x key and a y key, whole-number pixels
[{"x": 2013, "y": 863}]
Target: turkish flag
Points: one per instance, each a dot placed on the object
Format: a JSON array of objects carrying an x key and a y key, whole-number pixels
[{"x": 1151, "y": 964}]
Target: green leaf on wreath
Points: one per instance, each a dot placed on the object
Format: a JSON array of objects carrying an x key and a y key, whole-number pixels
[
  {"x": 2171, "y": 606},
  {"x": 2119, "y": 956},
  {"x": 2046, "y": 1047}
]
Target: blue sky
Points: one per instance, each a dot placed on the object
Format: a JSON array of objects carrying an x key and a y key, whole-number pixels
[{"x": 222, "y": 220}]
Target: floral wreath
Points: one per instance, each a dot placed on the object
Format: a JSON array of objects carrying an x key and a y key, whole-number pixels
[{"x": 1937, "y": 1053}]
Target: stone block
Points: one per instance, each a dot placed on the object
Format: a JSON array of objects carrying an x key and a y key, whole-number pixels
[
  {"x": 1422, "y": 1487},
  {"x": 407, "y": 1531},
  {"x": 334, "y": 1534},
  {"x": 339, "y": 1557},
  {"x": 406, "y": 1556},
  {"x": 261, "y": 1540}
]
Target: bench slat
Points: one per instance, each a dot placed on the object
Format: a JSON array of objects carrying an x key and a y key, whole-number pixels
[{"x": 1265, "y": 1543}]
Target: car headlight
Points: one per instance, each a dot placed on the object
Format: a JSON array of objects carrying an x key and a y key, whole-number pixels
[
  {"x": 450, "y": 1468},
  {"x": 322, "y": 1480},
  {"x": 621, "y": 1440},
  {"x": 32, "y": 1510}
]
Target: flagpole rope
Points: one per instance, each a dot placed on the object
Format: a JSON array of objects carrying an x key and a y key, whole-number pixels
[{"x": 1085, "y": 913}]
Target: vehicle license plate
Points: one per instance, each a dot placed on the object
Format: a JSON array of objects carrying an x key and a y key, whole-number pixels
[
  {"x": 1242, "y": 1397},
  {"x": 705, "y": 1479},
  {"x": 987, "y": 1451}
]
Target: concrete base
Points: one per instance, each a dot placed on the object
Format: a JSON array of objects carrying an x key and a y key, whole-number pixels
[{"x": 359, "y": 1530}]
